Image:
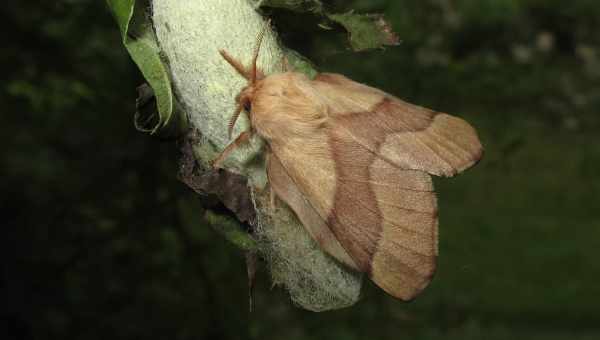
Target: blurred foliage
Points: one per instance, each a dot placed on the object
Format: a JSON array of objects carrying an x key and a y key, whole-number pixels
[
  {"x": 365, "y": 31},
  {"x": 101, "y": 241}
]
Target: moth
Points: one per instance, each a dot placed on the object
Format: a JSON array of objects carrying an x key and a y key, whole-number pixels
[{"x": 354, "y": 163}]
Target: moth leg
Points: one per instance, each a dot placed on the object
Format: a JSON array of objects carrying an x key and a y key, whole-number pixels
[
  {"x": 242, "y": 139},
  {"x": 251, "y": 266}
]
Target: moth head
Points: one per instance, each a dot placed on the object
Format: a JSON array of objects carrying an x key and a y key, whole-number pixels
[
  {"x": 245, "y": 97},
  {"x": 251, "y": 73}
]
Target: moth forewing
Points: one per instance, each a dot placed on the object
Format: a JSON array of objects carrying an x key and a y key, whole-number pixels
[{"x": 353, "y": 163}]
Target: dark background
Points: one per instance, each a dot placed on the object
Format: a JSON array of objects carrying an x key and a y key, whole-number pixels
[{"x": 100, "y": 241}]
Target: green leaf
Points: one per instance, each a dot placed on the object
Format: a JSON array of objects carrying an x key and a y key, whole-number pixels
[
  {"x": 314, "y": 6},
  {"x": 139, "y": 40},
  {"x": 230, "y": 229},
  {"x": 366, "y": 30},
  {"x": 122, "y": 10}
]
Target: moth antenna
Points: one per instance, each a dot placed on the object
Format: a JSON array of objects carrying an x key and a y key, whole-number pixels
[
  {"x": 233, "y": 119},
  {"x": 235, "y": 64},
  {"x": 259, "y": 40}
]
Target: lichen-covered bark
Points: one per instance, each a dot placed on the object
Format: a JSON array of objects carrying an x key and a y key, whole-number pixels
[{"x": 189, "y": 34}]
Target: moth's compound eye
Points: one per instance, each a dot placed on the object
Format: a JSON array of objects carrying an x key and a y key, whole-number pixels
[{"x": 247, "y": 106}]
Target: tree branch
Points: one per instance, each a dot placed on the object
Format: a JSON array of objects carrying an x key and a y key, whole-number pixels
[{"x": 189, "y": 35}]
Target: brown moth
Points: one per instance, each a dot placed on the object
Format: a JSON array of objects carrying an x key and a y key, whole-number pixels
[{"x": 354, "y": 164}]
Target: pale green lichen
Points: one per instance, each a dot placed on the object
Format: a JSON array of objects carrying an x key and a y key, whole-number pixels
[
  {"x": 315, "y": 281},
  {"x": 189, "y": 34}
]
